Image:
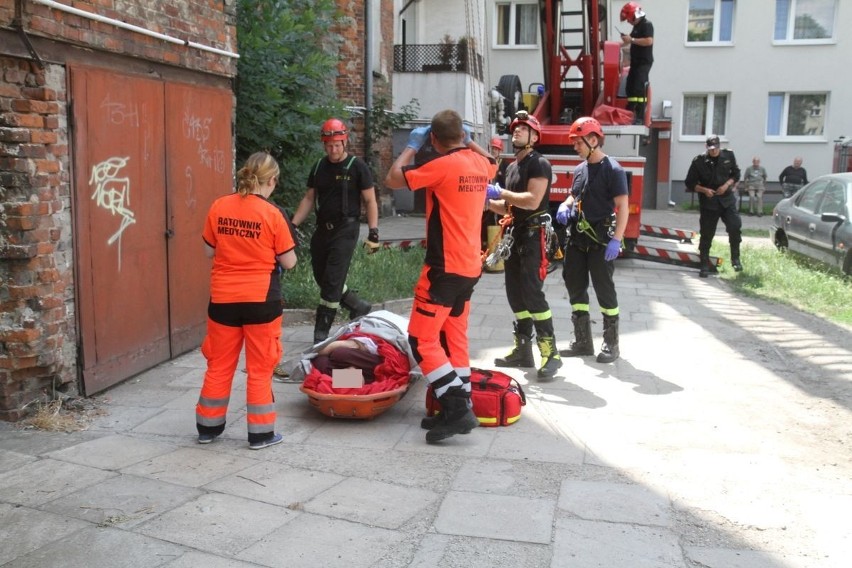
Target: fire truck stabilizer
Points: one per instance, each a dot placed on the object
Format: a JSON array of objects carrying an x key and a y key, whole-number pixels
[
  {"x": 667, "y": 256},
  {"x": 680, "y": 235}
]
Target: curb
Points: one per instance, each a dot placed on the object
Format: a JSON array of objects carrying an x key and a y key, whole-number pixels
[{"x": 297, "y": 316}]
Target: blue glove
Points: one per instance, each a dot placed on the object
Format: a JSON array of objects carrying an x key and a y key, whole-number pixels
[
  {"x": 565, "y": 213},
  {"x": 612, "y": 250},
  {"x": 418, "y": 137},
  {"x": 468, "y": 138},
  {"x": 493, "y": 191}
]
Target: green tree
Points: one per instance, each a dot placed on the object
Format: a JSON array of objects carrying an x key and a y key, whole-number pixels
[{"x": 285, "y": 84}]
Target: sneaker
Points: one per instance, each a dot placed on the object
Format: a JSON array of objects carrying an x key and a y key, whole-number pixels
[
  {"x": 738, "y": 267},
  {"x": 206, "y": 438},
  {"x": 275, "y": 439},
  {"x": 704, "y": 271}
]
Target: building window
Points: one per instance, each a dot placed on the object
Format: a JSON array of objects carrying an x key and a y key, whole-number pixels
[
  {"x": 710, "y": 21},
  {"x": 796, "y": 115},
  {"x": 810, "y": 21},
  {"x": 516, "y": 23},
  {"x": 704, "y": 114}
]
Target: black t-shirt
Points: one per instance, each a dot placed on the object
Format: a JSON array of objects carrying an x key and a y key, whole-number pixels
[
  {"x": 534, "y": 165},
  {"x": 597, "y": 186},
  {"x": 642, "y": 53},
  {"x": 338, "y": 188}
]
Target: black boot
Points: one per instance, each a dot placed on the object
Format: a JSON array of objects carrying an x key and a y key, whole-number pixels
[
  {"x": 521, "y": 354},
  {"x": 458, "y": 417},
  {"x": 639, "y": 113},
  {"x": 429, "y": 422},
  {"x": 705, "y": 269},
  {"x": 550, "y": 359},
  {"x": 356, "y": 306},
  {"x": 582, "y": 344},
  {"x": 609, "y": 350},
  {"x": 735, "y": 258},
  {"x": 325, "y": 317}
]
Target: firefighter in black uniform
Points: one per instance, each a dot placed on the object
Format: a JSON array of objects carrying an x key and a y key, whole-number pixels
[
  {"x": 526, "y": 199},
  {"x": 595, "y": 214},
  {"x": 641, "y": 42},
  {"x": 336, "y": 186},
  {"x": 714, "y": 175}
]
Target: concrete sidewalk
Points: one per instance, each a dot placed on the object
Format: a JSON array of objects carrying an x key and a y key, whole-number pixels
[{"x": 720, "y": 439}]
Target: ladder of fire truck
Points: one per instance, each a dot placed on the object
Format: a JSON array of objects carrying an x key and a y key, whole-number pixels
[{"x": 572, "y": 42}]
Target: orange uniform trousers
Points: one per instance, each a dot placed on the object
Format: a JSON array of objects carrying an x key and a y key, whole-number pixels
[
  {"x": 437, "y": 329},
  {"x": 221, "y": 348}
]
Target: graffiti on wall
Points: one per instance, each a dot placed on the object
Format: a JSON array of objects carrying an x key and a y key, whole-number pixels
[
  {"x": 197, "y": 129},
  {"x": 112, "y": 192}
]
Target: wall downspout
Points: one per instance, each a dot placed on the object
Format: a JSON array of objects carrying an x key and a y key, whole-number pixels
[{"x": 368, "y": 80}]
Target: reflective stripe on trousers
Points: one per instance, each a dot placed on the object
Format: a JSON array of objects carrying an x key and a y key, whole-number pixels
[{"x": 221, "y": 348}]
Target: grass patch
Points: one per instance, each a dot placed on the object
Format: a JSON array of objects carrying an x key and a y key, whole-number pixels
[
  {"x": 388, "y": 274},
  {"x": 789, "y": 279}
]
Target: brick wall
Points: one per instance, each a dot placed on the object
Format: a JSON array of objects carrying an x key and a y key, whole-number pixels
[
  {"x": 350, "y": 68},
  {"x": 199, "y": 21},
  {"x": 37, "y": 334}
]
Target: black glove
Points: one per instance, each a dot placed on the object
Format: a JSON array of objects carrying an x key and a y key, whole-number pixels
[
  {"x": 293, "y": 228},
  {"x": 372, "y": 242}
]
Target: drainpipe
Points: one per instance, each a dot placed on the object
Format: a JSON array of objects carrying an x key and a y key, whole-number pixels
[
  {"x": 368, "y": 80},
  {"x": 131, "y": 27}
]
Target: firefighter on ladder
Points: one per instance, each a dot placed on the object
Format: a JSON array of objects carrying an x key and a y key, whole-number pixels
[
  {"x": 527, "y": 223},
  {"x": 596, "y": 214}
]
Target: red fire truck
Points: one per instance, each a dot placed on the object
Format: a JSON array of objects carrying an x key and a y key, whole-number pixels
[{"x": 583, "y": 70}]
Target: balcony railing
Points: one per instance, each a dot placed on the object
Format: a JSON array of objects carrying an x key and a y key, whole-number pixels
[{"x": 437, "y": 58}]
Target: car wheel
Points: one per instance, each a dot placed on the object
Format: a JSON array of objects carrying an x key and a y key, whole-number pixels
[
  {"x": 847, "y": 265},
  {"x": 780, "y": 240}
]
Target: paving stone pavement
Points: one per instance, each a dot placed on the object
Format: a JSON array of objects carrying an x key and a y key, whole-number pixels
[{"x": 720, "y": 439}]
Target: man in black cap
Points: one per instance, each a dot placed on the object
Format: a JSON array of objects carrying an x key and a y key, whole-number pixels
[{"x": 713, "y": 175}]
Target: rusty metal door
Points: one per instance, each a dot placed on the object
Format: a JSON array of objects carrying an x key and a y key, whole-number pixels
[
  {"x": 149, "y": 158},
  {"x": 199, "y": 165},
  {"x": 120, "y": 206}
]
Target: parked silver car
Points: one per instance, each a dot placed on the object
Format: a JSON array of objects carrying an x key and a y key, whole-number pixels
[{"x": 815, "y": 221}]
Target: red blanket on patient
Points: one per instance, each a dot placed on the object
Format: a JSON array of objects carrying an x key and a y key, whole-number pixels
[{"x": 390, "y": 374}]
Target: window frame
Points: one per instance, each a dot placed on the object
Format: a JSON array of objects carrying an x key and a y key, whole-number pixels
[
  {"x": 717, "y": 26},
  {"x": 791, "y": 24},
  {"x": 710, "y": 101},
  {"x": 785, "y": 115},
  {"x": 513, "y": 14}
]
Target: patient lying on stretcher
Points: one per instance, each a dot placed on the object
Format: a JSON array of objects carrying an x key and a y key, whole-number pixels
[{"x": 355, "y": 352}]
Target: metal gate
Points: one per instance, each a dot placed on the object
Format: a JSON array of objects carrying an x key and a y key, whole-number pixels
[{"x": 149, "y": 158}]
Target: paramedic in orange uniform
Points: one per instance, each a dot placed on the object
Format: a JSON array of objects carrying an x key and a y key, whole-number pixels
[
  {"x": 455, "y": 184},
  {"x": 250, "y": 242}
]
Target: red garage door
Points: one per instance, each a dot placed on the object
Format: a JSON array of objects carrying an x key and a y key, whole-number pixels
[{"x": 149, "y": 158}]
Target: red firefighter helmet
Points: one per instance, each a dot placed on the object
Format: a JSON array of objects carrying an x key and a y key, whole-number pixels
[
  {"x": 631, "y": 11},
  {"x": 584, "y": 126},
  {"x": 333, "y": 129},
  {"x": 523, "y": 117},
  {"x": 497, "y": 142}
]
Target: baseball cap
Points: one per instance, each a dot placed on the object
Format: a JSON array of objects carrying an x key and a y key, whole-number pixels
[{"x": 712, "y": 142}]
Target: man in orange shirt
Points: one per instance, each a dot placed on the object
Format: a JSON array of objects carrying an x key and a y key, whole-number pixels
[{"x": 455, "y": 184}]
